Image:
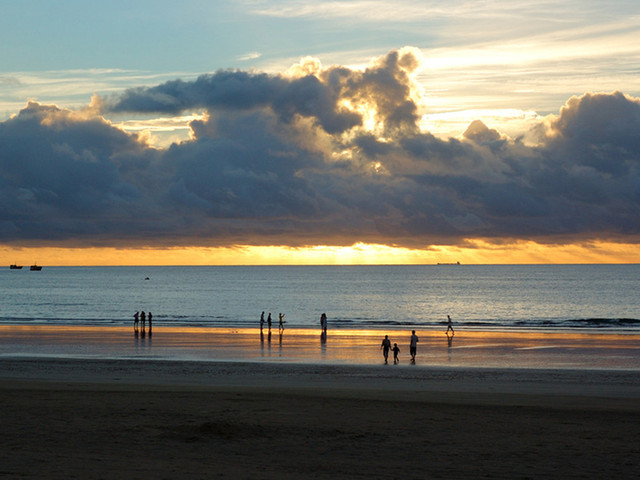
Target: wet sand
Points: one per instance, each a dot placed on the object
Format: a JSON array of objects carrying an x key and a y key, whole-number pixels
[
  {"x": 102, "y": 418},
  {"x": 468, "y": 348}
]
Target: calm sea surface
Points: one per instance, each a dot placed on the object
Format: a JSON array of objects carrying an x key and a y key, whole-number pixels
[{"x": 549, "y": 297}]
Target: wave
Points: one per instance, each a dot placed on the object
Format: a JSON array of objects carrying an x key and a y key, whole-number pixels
[
  {"x": 607, "y": 322},
  {"x": 600, "y": 323},
  {"x": 550, "y": 324}
]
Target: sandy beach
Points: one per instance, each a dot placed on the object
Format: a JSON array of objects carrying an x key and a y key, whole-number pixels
[
  {"x": 99, "y": 402},
  {"x": 101, "y": 418}
]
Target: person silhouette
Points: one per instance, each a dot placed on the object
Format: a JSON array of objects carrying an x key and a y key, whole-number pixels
[
  {"x": 385, "y": 347},
  {"x": 136, "y": 319},
  {"x": 261, "y": 321},
  {"x": 143, "y": 319},
  {"x": 269, "y": 321},
  {"x": 449, "y": 326},
  {"x": 396, "y": 351},
  {"x": 281, "y": 323},
  {"x": 323, "y": 323},
  {"x": 413, "y": 346}
]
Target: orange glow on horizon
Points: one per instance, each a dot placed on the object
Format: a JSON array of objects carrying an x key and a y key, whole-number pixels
[{"x": 473, "y": 252}]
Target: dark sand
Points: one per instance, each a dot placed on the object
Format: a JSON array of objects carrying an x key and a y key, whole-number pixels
[{"x": 84, "y": 419}]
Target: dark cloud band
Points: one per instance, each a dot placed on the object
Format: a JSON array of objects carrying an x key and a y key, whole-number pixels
[{"x": 290, "y": 160}]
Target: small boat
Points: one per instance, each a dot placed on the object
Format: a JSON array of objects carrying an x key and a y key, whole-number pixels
[
  {"x": 35, "y": 268},
  {"x": 456, "y": 263},
  {"x": 15, "y": 267}
]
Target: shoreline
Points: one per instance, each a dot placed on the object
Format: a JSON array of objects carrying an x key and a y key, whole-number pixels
[{"x": 338, "y": 329}]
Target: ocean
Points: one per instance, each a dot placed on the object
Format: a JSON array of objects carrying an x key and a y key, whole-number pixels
[{"x": 572, "y": 298}]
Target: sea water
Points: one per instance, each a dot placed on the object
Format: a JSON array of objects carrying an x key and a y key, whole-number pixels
[{"x": 524, "y": 297}]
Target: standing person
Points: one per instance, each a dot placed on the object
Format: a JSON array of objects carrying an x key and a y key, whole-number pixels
[
  {"x": 149, "y": 317},
  {"x": 136, "y": 317},
  {"x": 396, "y": 351},
  {"x": 449, "y": 326},
  {"x": 281, "y": 322},
  {"x": 413, "y": 346},
  {"x": 143, "y": 319},
  {"x": 323, "y": 323},
  {"x": 261, "y": 321},
  {"x": 385, "y": 347},
  {"x": 269, "y": 322}
]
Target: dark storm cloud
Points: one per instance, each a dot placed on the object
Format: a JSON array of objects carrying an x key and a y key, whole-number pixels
[
  {"x": 287, "y": 160},
  {"x": 236, "y": 90},
  {"x": 65, "y": 175}
]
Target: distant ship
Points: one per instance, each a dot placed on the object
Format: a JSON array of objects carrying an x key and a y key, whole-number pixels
[
  {"x": 15, "y": 267},
  {"x": 456, "y": 263},
  {"x": 35, "y": 268}
]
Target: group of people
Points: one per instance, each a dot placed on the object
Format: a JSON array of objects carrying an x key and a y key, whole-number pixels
[
  {"x": 413, "y": 344},
  {"x": 386, "y": 347},
  {"x": 142, "y": 318},
  {"x": 269, "y": 321}
]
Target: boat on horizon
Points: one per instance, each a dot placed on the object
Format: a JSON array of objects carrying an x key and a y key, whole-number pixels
[
  {"x": 15, "y": 266},
  {"x": 453, "y": 263},
  {"x": 35, "y": 268}
]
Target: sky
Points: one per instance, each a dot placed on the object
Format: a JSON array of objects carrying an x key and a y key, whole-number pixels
[{"x": 299, "y": 132}]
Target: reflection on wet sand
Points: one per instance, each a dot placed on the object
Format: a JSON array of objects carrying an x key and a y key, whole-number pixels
[{"x": 471, "y": 348}]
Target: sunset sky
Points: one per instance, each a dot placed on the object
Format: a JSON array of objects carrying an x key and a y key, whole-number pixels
[{"x": 299, "y": 132}]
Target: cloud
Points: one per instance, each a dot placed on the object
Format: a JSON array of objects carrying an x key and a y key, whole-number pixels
[
  {"x": 317, "y": 155},
  {"x": 249, "y": 56},
  {"x": 405, "y": 11},
  {"x": 9, "y": 80}
]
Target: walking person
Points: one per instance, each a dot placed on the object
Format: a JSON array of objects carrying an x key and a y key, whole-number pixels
[
  {"x": 323, "y": 323},
  {"x": 413, "y": 346},
  {"x": 269, "y": 322},
  {"x": 281, "y": 323},
  {"x": 449, "y": 327},
  {"x": 396, "y": 351},
  {"x": 261, "y": 321},
  {"x": 149, "y": 317},
  {"x": 385, "y": 347}
]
